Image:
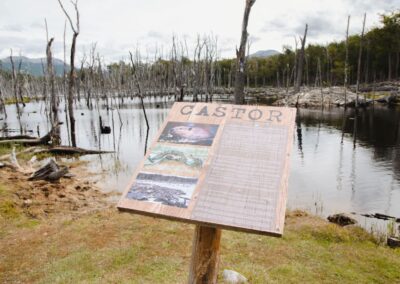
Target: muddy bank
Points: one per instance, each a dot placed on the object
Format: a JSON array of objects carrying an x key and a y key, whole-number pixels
[{"x": 41, "y": 199}]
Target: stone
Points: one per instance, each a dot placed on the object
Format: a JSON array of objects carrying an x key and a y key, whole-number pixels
[
  {"x": 342, "y": 219},
  {"x": 233, "y": 277}
]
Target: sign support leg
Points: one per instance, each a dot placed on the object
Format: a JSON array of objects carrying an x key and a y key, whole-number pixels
[{"x": 205, "y": 255}]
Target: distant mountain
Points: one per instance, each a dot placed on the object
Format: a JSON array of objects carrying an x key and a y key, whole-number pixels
[
  {"x": 32, "y": 66},
  {"x": 264, "y": 53}
]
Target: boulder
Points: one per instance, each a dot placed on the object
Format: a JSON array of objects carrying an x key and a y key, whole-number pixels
[{"x": 342, "y": 219}]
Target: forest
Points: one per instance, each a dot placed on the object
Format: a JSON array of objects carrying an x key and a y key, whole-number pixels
[{"x": 176, "y": 72}]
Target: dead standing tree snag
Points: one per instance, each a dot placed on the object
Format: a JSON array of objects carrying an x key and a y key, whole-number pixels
[
  {"x": 300, "y": 64},
  {"x": 136, "y": 79},
  {"x": 71, "y": 80},
  {"x": 56, "y": 140},
  {"x": 241, "y": 55},
  {"x": 359, "y": 61},
  {"x": 346, "y": 62}
]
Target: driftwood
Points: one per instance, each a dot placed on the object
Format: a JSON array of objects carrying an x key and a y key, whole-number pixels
[
  {"x": 393, "y": 242},
  {"x": 66, "y": 150},
  {"x": 17, "y": 137},
  {"x": 31, "y": 141},
  {"x": 50, "y": 171}
]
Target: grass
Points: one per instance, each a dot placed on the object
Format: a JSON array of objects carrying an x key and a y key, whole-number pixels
[
  {"x": 375, "y": 95},
  {"x": 10, "y": 101},
  {"x": 110, "y": 247},
  {"x": 7, "y": 149},
  {"x": 12, "y": 217}
]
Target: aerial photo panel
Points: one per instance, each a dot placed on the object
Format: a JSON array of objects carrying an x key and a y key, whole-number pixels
[
  {"x": 165, "y": 189},
  {"x": 189, "y": 133}
]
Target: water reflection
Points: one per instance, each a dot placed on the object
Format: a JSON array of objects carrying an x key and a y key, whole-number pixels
[{"x": 346, "y": 161}]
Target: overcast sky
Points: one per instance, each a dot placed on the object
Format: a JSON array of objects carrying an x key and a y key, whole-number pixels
[{"x": 118, "y": 26}]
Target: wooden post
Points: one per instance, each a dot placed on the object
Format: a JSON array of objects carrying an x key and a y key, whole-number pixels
[{"x": 205, "y": 255}]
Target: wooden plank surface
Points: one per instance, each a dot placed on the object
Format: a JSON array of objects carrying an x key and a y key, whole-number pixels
[{"x": 217, "y": 164}]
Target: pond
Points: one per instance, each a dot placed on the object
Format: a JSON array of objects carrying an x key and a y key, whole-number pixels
[{"x": 342, "y": 161}]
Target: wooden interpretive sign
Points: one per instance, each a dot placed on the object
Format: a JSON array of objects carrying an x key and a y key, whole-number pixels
[{"x": 217, "y": 165}]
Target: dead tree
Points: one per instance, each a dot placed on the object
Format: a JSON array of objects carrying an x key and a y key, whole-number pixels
[
  {"x": 300, "y": 62},
  {"x": 71, "y": 80},
  {"x": 359, "y": 61},
  {"x": 134, "y": 73},
  {"x": 346, "y": 62},
  {"x": 14, "y": 84},
  {"x": 53, "y": 98},
  {"x": 2, "y": 100},
  {"x": 241, "y": 55}
]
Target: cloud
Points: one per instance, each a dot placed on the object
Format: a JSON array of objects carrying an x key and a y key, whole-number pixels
[
  {"x": 12, "y": 28},
  {"x": 155, "y": 35},
  {"x": 37, "y": 25},
  {"x": 319, "y": 24},
  {"x": 361, "y": 6}
]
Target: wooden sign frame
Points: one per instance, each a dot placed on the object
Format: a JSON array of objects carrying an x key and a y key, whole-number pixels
[{"x": 218, "y": 165}]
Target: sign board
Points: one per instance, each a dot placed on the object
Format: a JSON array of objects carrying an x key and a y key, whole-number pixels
[{"x": 217, "y": 165}]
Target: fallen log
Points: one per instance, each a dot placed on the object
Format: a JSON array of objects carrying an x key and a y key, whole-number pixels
[
  {"x": 31, "y": 142},
  {"x": 67, "y": 150},
  {"x": 17, "y": 137},
  {"x": 50, "y": 171}
]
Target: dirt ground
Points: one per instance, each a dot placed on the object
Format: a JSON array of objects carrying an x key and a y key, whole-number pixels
[
  {"x": 42, "y": 199},
  {"x": 71, "y": 232}
]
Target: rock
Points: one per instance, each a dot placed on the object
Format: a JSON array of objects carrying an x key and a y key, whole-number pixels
[
  {"x": 341, "y": 219},
  {"x": 233, "y": 277},
  {"x": 393, "y": 242}
]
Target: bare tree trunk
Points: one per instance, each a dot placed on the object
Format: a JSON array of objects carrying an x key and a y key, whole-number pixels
[
  {"x": 366, "y": 71},
  {"x": 320, "y": 82},
  {"x": 300, "y": 62},
  {"x": 359, "y": 61},
  {"x": 241, "y": 55},
  {"x": 65, "y": 83},
  {"x": 53, "y": 97},
  {"x": 346, "y": 62},
  {"x": 15, "y": 84},
  {"x": 71, "y": 85},
  {"x": 3, "y": 103},
  {"x": 134, "y": 73},
  {"x": 71, "y": 81}
]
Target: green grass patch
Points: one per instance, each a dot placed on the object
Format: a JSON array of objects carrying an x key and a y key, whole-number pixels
[
  {"x": 8, "y": 209},
  {"x": 6, "y": 148},
  {"x": 374, "y": 95},
  {"x": 10, "y": 101},
  {"x": 121, "y": 248}
]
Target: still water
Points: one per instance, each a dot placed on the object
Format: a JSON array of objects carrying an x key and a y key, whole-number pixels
[{"x": 342, "y": 161}]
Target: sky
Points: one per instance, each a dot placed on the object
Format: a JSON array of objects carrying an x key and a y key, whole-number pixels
[{"x": 117, "y": 26}]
